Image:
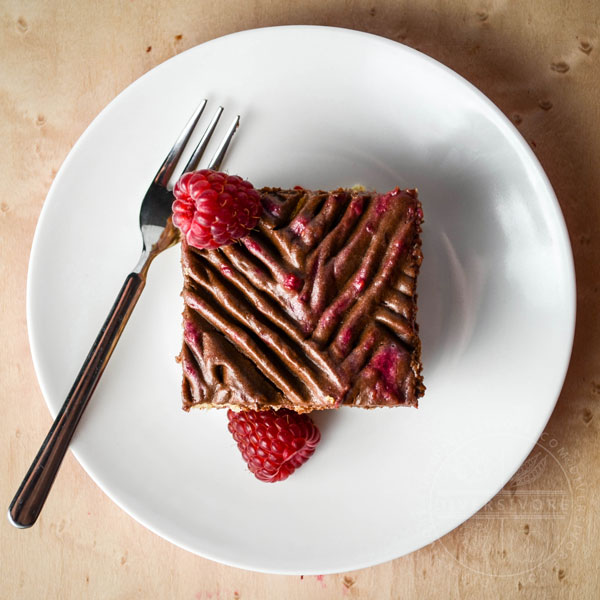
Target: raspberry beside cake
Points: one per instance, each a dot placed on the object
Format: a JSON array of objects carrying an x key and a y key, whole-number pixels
[{"x": 312, "y": 309}]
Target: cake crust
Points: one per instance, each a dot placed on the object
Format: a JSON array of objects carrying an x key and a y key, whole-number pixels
[{"x": 314, "y": 309}]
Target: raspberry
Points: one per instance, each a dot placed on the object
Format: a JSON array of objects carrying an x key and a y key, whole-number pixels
[
  {"x": 292, "y": 282},
  {"x": 273, "y": 443},
  {"x": 213, "y": 209}
]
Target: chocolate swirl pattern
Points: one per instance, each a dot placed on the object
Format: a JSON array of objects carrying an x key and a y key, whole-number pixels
[{"x": 314, "y": 309}]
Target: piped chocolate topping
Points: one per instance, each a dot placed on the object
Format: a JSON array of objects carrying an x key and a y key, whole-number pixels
[{"x": 313, "y": 309}]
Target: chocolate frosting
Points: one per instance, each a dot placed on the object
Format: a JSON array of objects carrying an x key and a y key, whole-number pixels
[{"x": 313, "y": 309}]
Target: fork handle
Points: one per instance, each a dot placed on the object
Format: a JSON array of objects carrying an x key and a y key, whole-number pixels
[{"x": 31, "y": 495}]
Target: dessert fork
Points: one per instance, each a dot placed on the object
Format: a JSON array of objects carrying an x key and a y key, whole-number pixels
[{"x": 158, "y": 233}]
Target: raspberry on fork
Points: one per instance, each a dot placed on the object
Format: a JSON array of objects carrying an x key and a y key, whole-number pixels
[
  {"x": 213, "y": 209},
  {"x": 274, "y": 443}
]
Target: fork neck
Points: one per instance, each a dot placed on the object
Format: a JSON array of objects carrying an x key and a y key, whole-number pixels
[{"x": 155, "y": 240}]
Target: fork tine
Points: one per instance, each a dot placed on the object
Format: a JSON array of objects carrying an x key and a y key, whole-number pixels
[
  {"x": 217, "y": 159},
  {"x": 168, "y": 166},
  {"x": 201, "y": 147}
]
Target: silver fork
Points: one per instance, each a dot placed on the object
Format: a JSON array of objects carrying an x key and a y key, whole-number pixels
[{"x": 158, "y": 233}]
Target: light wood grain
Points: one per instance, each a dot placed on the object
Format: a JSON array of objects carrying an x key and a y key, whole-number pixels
[{"x": 62, "y": 62}]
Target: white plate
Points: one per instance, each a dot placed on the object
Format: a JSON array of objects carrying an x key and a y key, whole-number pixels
[{"x": 321, "y": 108}]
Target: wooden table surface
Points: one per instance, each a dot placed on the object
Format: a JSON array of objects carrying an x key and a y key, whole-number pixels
[{"x": 539, "y": 61}]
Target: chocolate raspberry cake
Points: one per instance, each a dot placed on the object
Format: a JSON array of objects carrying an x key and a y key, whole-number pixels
[{"x": 314, "y": 308}]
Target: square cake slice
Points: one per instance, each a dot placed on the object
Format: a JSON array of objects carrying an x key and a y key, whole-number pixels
[{"x": 314, "y": 309}]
